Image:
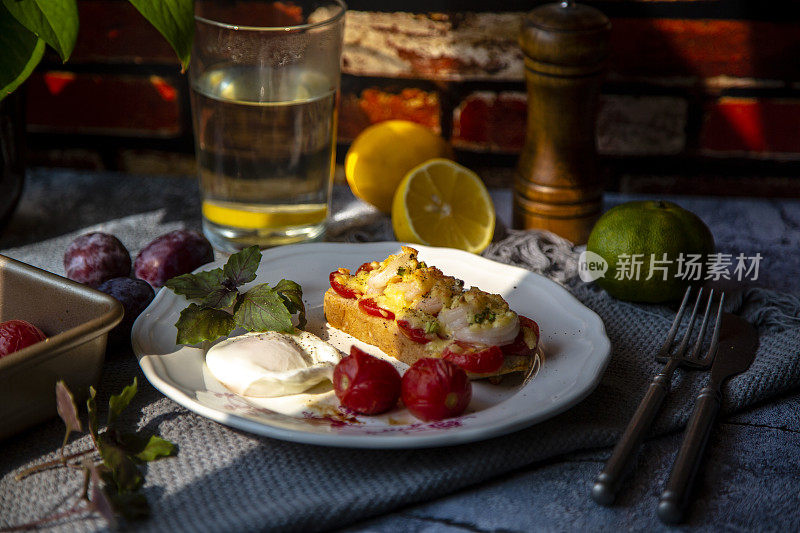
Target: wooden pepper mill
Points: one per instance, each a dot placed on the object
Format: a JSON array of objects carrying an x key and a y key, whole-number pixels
[{"x": 557, "y": 186}]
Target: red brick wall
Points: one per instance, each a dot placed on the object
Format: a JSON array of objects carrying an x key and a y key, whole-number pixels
[{"x": 687, "y": 79}]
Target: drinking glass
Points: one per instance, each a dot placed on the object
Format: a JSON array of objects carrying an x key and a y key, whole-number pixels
[{"x": 264, "y": 82}]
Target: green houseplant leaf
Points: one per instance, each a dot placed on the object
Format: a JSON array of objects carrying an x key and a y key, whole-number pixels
[
  {"x": 21, "y": 52},
  {"x": 174, "y": 19},
  {"x": 53, "y": 21}
]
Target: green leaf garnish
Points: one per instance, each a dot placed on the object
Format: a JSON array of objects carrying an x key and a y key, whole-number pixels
[
  {"x": 262, "y": 309},
  {"x": 222, "y": 307},
  {"x": 432, "y": 326},
  {"x": 118, "y": 402},
  {"x": 486, "y": 315},
  {"x": 197, "y": 324},
  {"x": 241, "y": 267}
]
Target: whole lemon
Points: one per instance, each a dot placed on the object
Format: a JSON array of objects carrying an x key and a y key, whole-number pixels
[
  {"x": 383, "y": 153},
  {"x": 634, "y": 237}
]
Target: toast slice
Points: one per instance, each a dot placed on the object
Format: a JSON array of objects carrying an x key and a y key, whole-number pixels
[{"x": 344, "y": 314}]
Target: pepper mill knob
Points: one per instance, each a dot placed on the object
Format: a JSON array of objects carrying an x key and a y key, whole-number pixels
[{"x": 557, "y": 186}]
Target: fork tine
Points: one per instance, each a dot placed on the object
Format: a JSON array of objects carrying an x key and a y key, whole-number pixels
[
  {"x": 695, "y": 356},
  {"x": 685, "y": 340},
  {"x": 664, "y": 351},
  {"x": 712, "y": 350}
]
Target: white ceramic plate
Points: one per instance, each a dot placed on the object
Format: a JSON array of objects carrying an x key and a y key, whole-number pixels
[{"x": 573, "y": 338}]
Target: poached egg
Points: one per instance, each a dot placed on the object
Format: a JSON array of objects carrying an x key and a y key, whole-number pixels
[{"x": 272, "y": 364}]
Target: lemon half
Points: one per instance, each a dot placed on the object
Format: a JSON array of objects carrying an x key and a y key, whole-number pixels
[{"x": 441, "y": 203}]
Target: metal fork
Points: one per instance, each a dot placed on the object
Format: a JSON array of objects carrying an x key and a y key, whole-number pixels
[{"x": 609, "y": 480}]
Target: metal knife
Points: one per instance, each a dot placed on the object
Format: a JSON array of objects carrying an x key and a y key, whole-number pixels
[{"x": 737, "y": 350}]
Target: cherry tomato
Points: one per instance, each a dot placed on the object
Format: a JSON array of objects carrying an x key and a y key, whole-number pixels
[
  {"x": 18, "y": 334},
  {"x": 369, "y": 306},
  {"x": 530, "y": 324},
  {"x": 415, "y": 334},
  {"x": 366, "y": 384},
  {"x": 341, "y": 290},
  {"x": 473, "y": 359},
  {"x": 365, "y": 267},
  {"x": 433, "y": 389},
  {"x": 519, "y": 346}
]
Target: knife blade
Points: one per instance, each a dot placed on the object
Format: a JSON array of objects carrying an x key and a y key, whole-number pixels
[{"x": 737, "y": 349}]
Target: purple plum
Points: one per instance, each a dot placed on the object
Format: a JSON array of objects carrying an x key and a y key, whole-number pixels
[
  {"x": 96, "y": 257},
  {"x": 175, "y": 253}
]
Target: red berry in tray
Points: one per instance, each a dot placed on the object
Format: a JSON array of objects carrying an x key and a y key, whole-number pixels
[
  {"x": 18, "y": 334},
  {"x": 434, "y": 389},
  {"x": 96, "y": 257},
  {"x": 172, "y": 254},
  {"x": 366, "y": 384}
]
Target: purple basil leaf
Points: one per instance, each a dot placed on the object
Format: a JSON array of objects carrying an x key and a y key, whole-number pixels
[
  {"x": 292, "y": 295},
  {"x": 99, "y": 501},
  {"x": 131, "y": 505},
  {"x": 156, "y": 448},
  {"x": 197, "y": 324},
  {"x": 262, "y": 309},
  {"x": 91, "y": 407},
  {"x": 220, "y": 298},
  {"x": 67, "y": 410},
  {"x": 118, "y": 402},
  {"x": 124, "y": 471},
  {"x": 241, "y": 267},
  {"x": 146, "y": 448},
  {"x": 196, "y": 286}
]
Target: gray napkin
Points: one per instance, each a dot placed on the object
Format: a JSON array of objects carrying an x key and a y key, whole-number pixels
[{"x": 227, "y": 480}]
